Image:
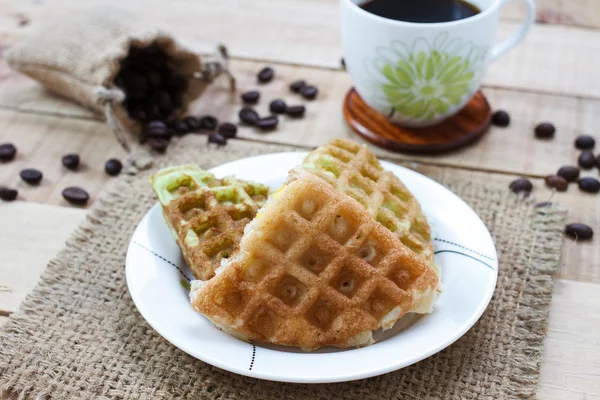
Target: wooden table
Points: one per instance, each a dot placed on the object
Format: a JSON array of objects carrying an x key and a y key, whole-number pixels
[{"x": 552, "y": 76}]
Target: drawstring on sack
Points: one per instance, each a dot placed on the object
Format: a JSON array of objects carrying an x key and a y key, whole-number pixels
[{"x": 107, "y": 97}]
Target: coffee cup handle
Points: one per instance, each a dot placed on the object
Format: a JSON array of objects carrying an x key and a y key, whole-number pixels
[{"x": 502, "y": 48}]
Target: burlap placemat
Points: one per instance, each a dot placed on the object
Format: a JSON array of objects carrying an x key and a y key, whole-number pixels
[{"x": 79, "y": 335}]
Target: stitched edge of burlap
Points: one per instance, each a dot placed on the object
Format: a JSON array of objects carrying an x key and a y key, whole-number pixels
[{"x": 533, "y": 305}]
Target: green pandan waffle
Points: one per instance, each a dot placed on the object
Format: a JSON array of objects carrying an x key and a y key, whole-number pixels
[{"x": 206, "y": 215}]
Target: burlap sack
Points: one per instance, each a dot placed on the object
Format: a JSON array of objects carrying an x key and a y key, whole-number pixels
[{"x": 78, "y": 57}]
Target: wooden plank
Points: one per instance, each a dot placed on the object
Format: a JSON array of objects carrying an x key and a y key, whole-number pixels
[
  {"x": 3, "y": 320},
  {"x": 553, "y": 59},
  {"x": 570, "y": 369},
  {"x": 572, "y": 117},
  {"x": 324, "y": 121},
  {"x": 42, "y": 141},
  {"x": 32, "y": 234},
  {"x": 582, "y": 13}
]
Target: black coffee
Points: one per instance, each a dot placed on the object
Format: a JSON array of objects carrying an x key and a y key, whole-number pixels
[{"x": 421, "y": 10}]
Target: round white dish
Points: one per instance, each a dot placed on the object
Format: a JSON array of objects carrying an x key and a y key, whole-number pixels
[{"x": 464, "y": 251}]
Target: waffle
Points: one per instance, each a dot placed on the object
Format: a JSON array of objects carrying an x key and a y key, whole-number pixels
[
  {"x": 315, "y": 269},
  {"x": 206, "y": 215},
  {"x": 353, "y": 169}
]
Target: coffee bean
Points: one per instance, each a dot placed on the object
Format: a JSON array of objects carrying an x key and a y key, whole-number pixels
[
  {"x": 250, "y": 97},
  {"x": 569, "y": 173},
  {"x": 265, "y": 74},
  {"x": 75, "y": 195},
  {"x": 70, "y": 161},
  {"x": 181, "y": 128},
  {"x": 557, "y": 182},
  {"x": 7, "y": 151},
  {"x": 139, "y": 114},
  {"x": 544, "y": 130},
  {"x": 589, "y": 185},
  {"x": 297, "y": 85},
  {"x": 193, "y": 123},
  {"x": 579, "y": 231},
  {"x": 159, "y": 145},
  {"x": 135, "y": 82},
  {"x": 248, "y": 116},
  {"x": 501, "y": 118},
  {"x": 227, "y": 130},
  {"x": 295, "y": 111},
  {"x": 113, "y": 167},
  {"x": 31, "y": 176},
  {"x": 209, "y": 122},
  {"x": 164, "y": 102},
  {"x": 277, "y": 106},
  {"x": 155, "y": 126},
  {"x": 218, "y": 139},
  {"x": 521, "y": 185},
  {"x": 586, "y": 159},
  {"x": 267, "y": 123},
  {"x": 154, "y": 79},
  {"x": 309, "y": 92},
  {"x": 585, "y": 142},
  {"x": 7, "y": 194},
  {"x": 177, "y": 83}
]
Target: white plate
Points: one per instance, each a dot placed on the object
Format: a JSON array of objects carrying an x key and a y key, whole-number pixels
[{"x": 464, "y": 250}]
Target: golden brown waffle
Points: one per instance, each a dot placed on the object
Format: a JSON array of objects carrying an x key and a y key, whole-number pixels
[
  {"x": 207, "y": 216},
  {"x": 315, "y": 269},
  {"x": 353, "y": 169}
]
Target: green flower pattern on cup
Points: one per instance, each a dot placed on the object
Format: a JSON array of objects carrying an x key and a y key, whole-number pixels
[{"x": 427, "y": 80}]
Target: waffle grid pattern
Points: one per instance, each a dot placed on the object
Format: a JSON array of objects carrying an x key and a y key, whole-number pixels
[
  {"x": 208, "y": 215},
  {"x": 353, "y": 169},
  {"x": 323, "y": 261}
]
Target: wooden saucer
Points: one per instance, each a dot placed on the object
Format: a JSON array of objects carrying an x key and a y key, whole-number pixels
[{"x": 464, "y": 128}]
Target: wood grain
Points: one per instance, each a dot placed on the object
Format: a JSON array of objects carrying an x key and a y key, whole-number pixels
[
  {"x": 453, "y": 133},
  {"x": 553, "y": 58},
  {"x": 32, "y": 234},
  {"x": 41, "y": 142}
]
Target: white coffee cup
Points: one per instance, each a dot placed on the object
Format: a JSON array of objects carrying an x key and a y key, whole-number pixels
[{"x": 418, "y": 74}]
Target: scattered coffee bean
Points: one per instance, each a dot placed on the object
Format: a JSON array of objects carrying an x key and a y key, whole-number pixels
[
  {"x": 7, "y": 194},
  {"x": 250, "y": 97},
  {"x": 544, "y": 204},
  {"x": 265, "y": 74},
  {"x": 31, "y": 176},
  {"x": 248, "y": 116},
  {"x": 309, "y": 92},
  {"x": 155, "y": 127},
  {"x": 579, "y": 231},
  {"x": 585, "y": 142},
  {"x": 7, "y": 151},
  {"x": 544, "y": 130},
  {"x": 193, "y": 123},
  {"x": 295, "y": 111},
  {"x": 277, "y": 106},
  {"x": 557, "y": 182},
  {"x": 501, "y": 118},
  {"x": 228, "y": 130},
  {"x": 586, "y": 159},
  {"x": 70, "y": 161},
  {"x": 569, "y": 173},
  {"x": 181, "y": 128},
  {"x": 521, "y": 185},
  {"x": 75, "y": 195},
  {"x": 589, "y": 185},
  {"x": 217, "y": 138},
  {"x": 267, "y": 123},
  {"x": 157, "y": 144},
  {"x": 296, "y": 86},
  {"x": 208, "y": 122},
  {"x": 113, "y": 167}
]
